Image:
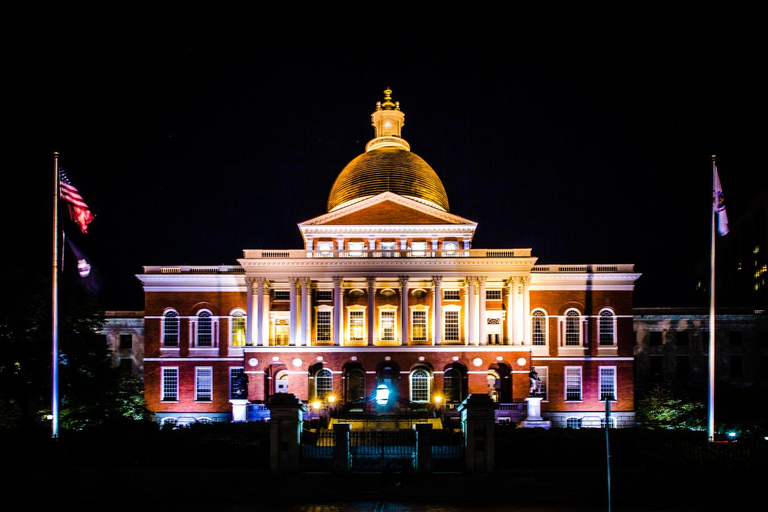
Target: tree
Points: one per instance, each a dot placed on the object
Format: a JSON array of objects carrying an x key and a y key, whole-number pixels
[{"x": 668, "y": 407}]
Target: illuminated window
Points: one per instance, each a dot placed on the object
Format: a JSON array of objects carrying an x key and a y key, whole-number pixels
[
  {"x": 450, "y": 248},
  {"x": 451, "y": 295},
  {"x": 171, "y": 329},
  {"x": 356, "y": 249},
  {"x": 573, "y": 423},
  {"x": 281, "y": 295},
  {"x": 607, "y": 382},
  {"x": 420, "y": 385},
  {"x": 204, "y": 333},
  {"x": 573, "y": 383},
  {"x": 388, "y": 249},
  {"x": 203, "y": 384},
  {"x": 324, "y": 295},
  {"x": 492, "y": 294},
  {"x": 356, "y": 325},
  {"x": 237, "y": 329},
  {"x": 387, "y": 324},
  {"x": 611, "y": 422},
  {"x": 323, "y": 383},
  {"x": 325, "y": 249},
  {"x": 323, "y": 323},
  {"x": 418, "y": 249},
  {"x": 451, "y": 324},
  {"x": 419, "y": 325},
  {"x": 572, "y": 328},
  {"x": 170, "y": 385},
  {"x": 607, "y": 328},
  {"x": 539, "y": 328}
]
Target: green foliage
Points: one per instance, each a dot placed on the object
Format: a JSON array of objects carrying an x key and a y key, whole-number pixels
[{"x": 668, "y": 407}]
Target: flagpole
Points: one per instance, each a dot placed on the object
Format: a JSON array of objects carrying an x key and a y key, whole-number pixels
[
  {"x": 55, "y": 304},
  {"x": 711, "y": 387}
]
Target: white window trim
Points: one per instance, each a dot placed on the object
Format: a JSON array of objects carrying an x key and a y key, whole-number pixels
[
  {"x": 318, "y": 309},
  {"x": 614, "y": 326},
  {"x": 163, "y": 346},
  {"x": 330, "y": 391},
  {"x": 348, "y": 330},
  {"x": 395, "y": 329},
  {"x": 197, "y": 383},
  {"x": 565, "y": 384},
  {"x": 488, "y": 290},
  {"x": 214, "y": 331},
  {"x": 452, "y": 290},
  {"x": 429, "y": 384},
  {"x": 614, "y": 378},
  {"x": 545, "y": 381},
  {"x": 232, "y": 369},
  {"x": 162, "y": 384},
  {"x": 452, "y": 307},
  {"x": 231, "y": 333},
  {"x": 545, "y": 319},
  {"x": 579, "y": 328},
  {"x": 419, "y": 307}
]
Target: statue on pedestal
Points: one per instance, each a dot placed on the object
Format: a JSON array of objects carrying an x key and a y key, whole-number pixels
[{"x": 535, "y": 383}]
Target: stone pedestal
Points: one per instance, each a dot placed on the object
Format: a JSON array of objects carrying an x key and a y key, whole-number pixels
[
  {"x": 342, "y": 461},
  {"x": 285, "y": 432},
  {"x": 423, "y": 447},
  {"x": 478, "y": 422},
  {"x": 239, "y": 412},
  {"x": 534, "y": 418}
]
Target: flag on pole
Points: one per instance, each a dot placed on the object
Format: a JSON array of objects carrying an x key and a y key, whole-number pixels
[
  {"x": 79, "y": 212},
  {"x": 90, "y": 278},
  {"x": 719, "y": 205}
]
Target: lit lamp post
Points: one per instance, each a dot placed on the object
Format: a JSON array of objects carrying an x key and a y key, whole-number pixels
[
  {"x": 438, "y": 402},
  {"x": 331, "y": 404}
]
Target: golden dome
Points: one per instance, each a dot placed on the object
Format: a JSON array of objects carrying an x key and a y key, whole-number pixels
[{"x": 388, "y": 169}]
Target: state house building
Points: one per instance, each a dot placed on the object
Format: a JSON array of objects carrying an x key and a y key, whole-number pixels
[{"x": 388, "y": 290}]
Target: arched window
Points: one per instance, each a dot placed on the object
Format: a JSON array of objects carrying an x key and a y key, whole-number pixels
[
  {"x": 204, "y": 329},
  {"x": 420, "y": 385},
  {"x": 355, "y": 385},
  {"x": 572, "y": 328},
  {"x": 323, "y": 383},
  {"x": 171, "y": 329},
  {"x": 494, "y": 384},
  {"x": 452, "y": 385},
  {"x": 237, "y": 328},
  {"x": 539, "y": 327},
  {"x": 607, "y": 328},
  {"x": 281, "y": 382}
]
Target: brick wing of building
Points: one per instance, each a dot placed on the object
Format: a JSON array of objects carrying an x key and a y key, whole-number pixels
[{"x": 388, "y": 290}]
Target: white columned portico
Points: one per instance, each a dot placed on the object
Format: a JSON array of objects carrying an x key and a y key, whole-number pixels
[
  {"x": 305, "y": 324},
  {"x": 251, "y": 314},
  {"x": 525, "y": 283},
  {"x": 294, "y": 306},
  {"x": 338, "y": 310},
  {"x": 371, "y": 307},
  {"x": 437, "y": 315},
  {"x": 267, "y": 306},
  {"x": 508, "y": 335},
  {"x": 403, "y": 310},
  {"x": 260, "y": 311},
  {"x": 482, "y": 321},
  {"x": 472, "y": 281}
]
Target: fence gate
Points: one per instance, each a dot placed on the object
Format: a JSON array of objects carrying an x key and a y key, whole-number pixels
[
  {"x": 383, "y": 450},
  {"x": 447, "y": 451},
  {"x": 317, "y": 450}
]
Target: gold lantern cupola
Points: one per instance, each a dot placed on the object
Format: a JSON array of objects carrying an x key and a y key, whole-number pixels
[{"x": 388, "y": 165}]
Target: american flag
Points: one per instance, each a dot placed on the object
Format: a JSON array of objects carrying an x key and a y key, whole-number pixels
[{"x": 79, "y": 212}]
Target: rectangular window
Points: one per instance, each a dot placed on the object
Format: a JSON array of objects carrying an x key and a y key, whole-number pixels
[
  {"x": 451, "y": 323},
  {"x": 607, "y": 383},
  {"x": 204, "y": 384},
  {"x": 681, "y": 338},
  {"x": 451, "y": 295},
  {"x": 419, "y": 325},
  {"x": 282, "y": 295},
  {"x": 204, "y": 331},
  {"x": 356, "y": 325},
  {"x": 656, "y": 339},
  {"x": 235, "y": 383},
  {"x": 492, "y": 294},
  {"x": 573, "y": 383},
  {"x": 387, "y": 324},
  {"x": 170, "y": 385},
  {"x": 324, "y": 294},
  {"x": 238, "y": 331},
  {"x": 324, "y": 325},
  {"x": 126, "y": 341},
  {"x": 538, "y": 329}
]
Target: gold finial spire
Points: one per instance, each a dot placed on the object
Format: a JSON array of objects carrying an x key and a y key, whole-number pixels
[{"x": 388, "y": 105}]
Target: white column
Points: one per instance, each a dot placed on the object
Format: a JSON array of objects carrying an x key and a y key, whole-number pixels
[
  {"x": 437, "y": 315},
  {"x": 525, "y": 283},
  {"x": 306, "y": 333},
  {"x": 482, "y": 321},
  {"x": 294, "y": 309},
  {"x": 260, "y": 310},
  {"x": 310, "y": 246},
  {"x": 337, "y": 310},
  {"x": 518, "y": 308},
  {"x": 508, "y": 333},
  {"x": 371, "y": 307},
  {"x": 404, "y": 310},
  {"x": 465, "y": 295},
  {"x": 265, "y": 313},
  {"x": 250, "y": 314},
  {"x": 472, "y": 311},
  {"x": 371, "y": 246}
]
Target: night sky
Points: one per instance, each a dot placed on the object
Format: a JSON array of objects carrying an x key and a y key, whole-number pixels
[{"x": 582, "y": 132}]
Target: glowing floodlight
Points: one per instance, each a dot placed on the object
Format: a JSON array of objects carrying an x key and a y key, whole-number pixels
[
  {"x": 382, "y": 394},
  {"x": 331, "y": 399}
]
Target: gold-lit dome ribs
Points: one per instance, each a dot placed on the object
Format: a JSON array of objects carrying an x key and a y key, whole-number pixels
[{"x": 388, "y": 169}]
